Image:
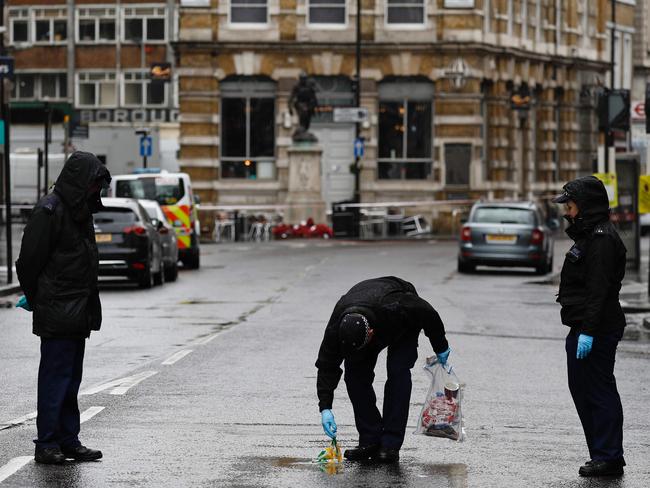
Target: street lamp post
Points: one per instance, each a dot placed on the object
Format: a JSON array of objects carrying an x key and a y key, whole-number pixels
[
  {"x": 357, "y": 103},
  {"x": 6, "y": 119}
]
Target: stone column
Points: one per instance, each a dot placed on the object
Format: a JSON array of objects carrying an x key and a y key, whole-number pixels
[{"x": 305, "y": 184}]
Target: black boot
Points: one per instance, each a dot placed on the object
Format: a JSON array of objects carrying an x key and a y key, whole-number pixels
[
  {"x": 387, "y": 455},
  {"x": 82, "y": 453},
  {"x": 49, "y": 455},
  {"x": 361, "y": 453},
  {"x": 602, "y": 468}
]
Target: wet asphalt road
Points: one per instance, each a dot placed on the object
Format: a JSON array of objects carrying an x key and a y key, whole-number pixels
[{"x": 239, "y": 409}]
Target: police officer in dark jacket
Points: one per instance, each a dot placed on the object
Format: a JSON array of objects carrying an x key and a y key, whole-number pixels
[
  {"x": 57, "y": 269},
  {"x": 591, "y": 280},
  {"x": 375, "y": 314}
]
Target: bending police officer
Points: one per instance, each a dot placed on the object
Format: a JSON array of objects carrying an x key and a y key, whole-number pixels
[
  {"x": 57, "y": 269},
  {"x": 376, "y": 314},
  {"x": 589, "y": 294}
]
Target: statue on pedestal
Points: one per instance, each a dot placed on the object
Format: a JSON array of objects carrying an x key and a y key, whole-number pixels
[{"x": 303, "y": 100}]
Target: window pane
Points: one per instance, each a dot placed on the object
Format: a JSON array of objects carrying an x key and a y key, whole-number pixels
[
  {"x": 156, "y": 93},
  {"x": 262, "y": 126},
  {"x": 418, "y": 137},
  {"x": 87, "y": 30},
  {"x": 391, "y": 130},
  {"x": 20, "y": 31},
  {"x": 60, "y": 30},
  {"x": 86, "y": 94},
  {"x": 239, "y": 169},
  {"x": 403, "y": 171},
  {"x": 48, "y": 85},
  {"x": 405, "y": 15},
  {"x": 133, "y": 93},
  {"x": 107, "y": 94},
  {"x": 417, "y": 171},
  {"x": 233, "y": 119},
  {"x": 26, "y": 86},
  {"x": 107, "y": 29},
  {"x": 133, "y": 29},
  {"x": 457, "y": 162},
  {"x": 156, "y": 29},
  {"x": 42, "y": 31},
  {"x": 251, "y": 15},
  {"x": 63, "y": 85},
  {"x": 327, "y": 15}
]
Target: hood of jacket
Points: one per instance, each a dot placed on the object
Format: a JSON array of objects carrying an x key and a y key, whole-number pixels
[
  {"x": 590, "y": 195},
  {"x": 80, "y": 172}
]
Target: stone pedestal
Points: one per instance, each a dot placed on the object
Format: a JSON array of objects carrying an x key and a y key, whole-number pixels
[{"x": 305, "y": 184}]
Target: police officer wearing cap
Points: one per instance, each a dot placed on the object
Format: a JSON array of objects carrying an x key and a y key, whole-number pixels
[
  {"x": 589, "y": 294},
  {"x": 376, "y": 314}
]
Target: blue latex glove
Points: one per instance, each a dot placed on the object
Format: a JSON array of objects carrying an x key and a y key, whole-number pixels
[
  {"x": 584, "y": 346},
  {"x": 22, "y": 303},
  {"x": 329, "y": 425},
  {"x": 442, "y": 356}
]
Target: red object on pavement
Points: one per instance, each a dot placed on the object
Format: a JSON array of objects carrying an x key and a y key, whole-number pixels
[{"x": 303, "y": 230}]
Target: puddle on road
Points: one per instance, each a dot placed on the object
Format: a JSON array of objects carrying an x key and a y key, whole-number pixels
[{"x": 406, "y": 473}]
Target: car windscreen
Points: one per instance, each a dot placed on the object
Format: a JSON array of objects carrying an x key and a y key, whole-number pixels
[
  {"x": 166, "y": 190},
  {"x": 116, "y": 215},
  {"x": 503, "y": 215}
]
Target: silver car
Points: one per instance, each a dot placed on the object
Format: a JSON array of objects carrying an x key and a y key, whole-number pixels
[{"x": 506, "y": 234}]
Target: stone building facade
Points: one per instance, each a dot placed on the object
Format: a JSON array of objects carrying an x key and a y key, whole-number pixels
[
  {"x": 438, "y": 78},
  {"x": 90, "y": 60}
]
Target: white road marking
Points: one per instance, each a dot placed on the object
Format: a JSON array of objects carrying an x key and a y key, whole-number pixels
[
  {"x": 131, "y": 381},
  {"x": 13, "y": 465},
  {"x": 90, "y": 413},
  {"x": 176, "y": 357},
  {"x": 205, "y": 340},
  {"x": 18, "y": 421},
  {"x": 114, "y": 383}
]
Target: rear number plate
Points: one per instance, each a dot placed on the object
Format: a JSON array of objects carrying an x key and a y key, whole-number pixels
[
  {"x": 103, "y": 237},
  {"x": 500, "y": 239}
]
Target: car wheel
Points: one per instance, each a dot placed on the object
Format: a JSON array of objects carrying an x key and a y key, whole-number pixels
[
  {"x": 147, "y": 279},
  {"x": 171, "y": 272},
  {"x": 192, "y": 261},
  {"x": 465, "y": 267},
  {"x": 160, "y": 276}
]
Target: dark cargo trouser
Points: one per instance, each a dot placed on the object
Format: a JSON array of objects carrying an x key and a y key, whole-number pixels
[
  {"x": 59, "y": 377},
  {"x": 359, "y": 374},
  {"x": 593, "y": 388}
]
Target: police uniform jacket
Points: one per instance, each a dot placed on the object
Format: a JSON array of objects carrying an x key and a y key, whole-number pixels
[
  {"x": 393, "y": 309},
  {"x": 594, "y": 267},
  {"x": 58, "y": 262}
]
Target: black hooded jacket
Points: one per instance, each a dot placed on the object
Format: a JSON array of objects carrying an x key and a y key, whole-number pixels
[
  {"x": 393, "y": 309},
  {"x": 595, "y": 266},
  {"x": 58, "y": 262}
]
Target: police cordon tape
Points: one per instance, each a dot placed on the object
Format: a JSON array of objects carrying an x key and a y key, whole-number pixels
[{"x": 284, "y": 206}]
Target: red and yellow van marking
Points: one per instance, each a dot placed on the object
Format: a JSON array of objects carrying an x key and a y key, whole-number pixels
[{"x": 180, "y": 213}]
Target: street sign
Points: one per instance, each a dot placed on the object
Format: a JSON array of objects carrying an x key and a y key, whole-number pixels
[
  {"x": 359, "y": 147},
  {"x": 611, "y": 185},
  {"x": 637, "y": 110},
  {"x": 6, "y": 66},
  {"x": 146, "y": 146},
  {"x": 350, "y": 114}
]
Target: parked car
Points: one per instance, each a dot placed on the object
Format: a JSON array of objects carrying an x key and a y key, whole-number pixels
[
  {"x": 167, "y": 237},
  {"x": 128, "y": 242},
  {"x": 507, "y": 234},
  {"x": 174, "y": 193}
]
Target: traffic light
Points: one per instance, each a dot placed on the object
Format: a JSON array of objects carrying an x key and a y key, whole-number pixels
[{"x": 614, "y": 110}]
